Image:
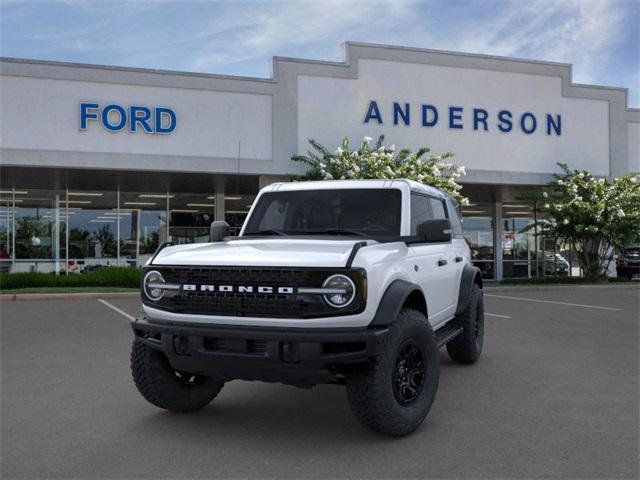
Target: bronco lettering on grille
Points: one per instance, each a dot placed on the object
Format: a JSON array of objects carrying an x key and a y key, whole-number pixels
[{"x": 192, "y": 287}]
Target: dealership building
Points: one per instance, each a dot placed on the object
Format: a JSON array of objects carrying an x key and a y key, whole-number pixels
[{"x": 100, "y": 164}]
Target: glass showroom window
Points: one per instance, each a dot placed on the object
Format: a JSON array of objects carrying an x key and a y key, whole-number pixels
[
  {"x": 39, "y": 220},
  {"x": 518, "y": 240},
  {"x": 478, "y": 226},
  {"x": 6, "y": 229},
  {"x": 73, "y": 231},
  {"x": 93, "y": 229},
  {"x": 191, "y": 215},
  {"x": 236, "y": 209},
  {"x": 552, "y": 257},
  {"x": 143, "y": 225}
]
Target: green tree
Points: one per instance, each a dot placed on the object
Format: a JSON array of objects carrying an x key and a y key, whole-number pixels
[
  {"x": 150, "y": 243},
  {"x": 381, "y": 162},
  {"x": 27, "y": 228},
  {"x": 595, "y": 215},
  {"x": 79, "y": 243},
  {"x": 107, "y": 240}
]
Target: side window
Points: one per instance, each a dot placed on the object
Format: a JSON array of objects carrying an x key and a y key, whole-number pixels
[
  {"x": 437, "y": 207},
  {"x": 454, "y": 217},
  {"x": 420, "y": 211}
]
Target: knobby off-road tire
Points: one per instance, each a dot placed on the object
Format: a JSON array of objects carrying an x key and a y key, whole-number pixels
[
  {"x": 467, "y": 347},
  {"x": 160, "y": 384},
  {"x": 379, "y": 394}
]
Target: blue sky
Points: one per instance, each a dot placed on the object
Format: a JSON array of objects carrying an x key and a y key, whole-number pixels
[{"x": 601, "y": 38}]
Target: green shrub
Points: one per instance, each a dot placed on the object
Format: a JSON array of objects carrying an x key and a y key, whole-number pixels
[{"x": 102, "y": 277}]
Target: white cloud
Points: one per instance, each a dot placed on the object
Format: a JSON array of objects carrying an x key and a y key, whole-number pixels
[
  {"x": 259, "y": 33},
  {"x": 581, "y": 32}
]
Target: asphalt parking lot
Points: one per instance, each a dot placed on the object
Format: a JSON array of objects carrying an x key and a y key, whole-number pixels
[{"x": 555, "y": 395}]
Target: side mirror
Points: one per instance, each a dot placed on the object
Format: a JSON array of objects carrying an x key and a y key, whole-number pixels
[
  {"x": 438, "y": 230},
  {"x": 219, "y": 230}
]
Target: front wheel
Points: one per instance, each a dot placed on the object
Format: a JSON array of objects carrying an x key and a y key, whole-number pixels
[
  {"x": 394, "y": 393},
  {"x": 165, "y": 387}
]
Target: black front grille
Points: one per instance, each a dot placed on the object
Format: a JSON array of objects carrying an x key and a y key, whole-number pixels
[
  {"x": 239, "y": 276},
  {"x": 253, "y": 304}
]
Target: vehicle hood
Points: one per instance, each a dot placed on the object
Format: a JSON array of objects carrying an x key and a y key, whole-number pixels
[{"x": 261, "y": 253}]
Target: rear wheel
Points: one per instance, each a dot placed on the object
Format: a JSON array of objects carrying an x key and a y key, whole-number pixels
[
  {"x": 165, "y": 387},
  {"x": 467, "y": 347},
  {"x": 394, "y": 393}
]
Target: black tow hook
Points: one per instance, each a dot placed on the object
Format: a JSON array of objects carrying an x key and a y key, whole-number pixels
[
  {"x": 289, "y": 352},
  {"x": 181, "y": 345}
]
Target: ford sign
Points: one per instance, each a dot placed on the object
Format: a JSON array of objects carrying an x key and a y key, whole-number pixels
[{"x": 134, "y": 118}]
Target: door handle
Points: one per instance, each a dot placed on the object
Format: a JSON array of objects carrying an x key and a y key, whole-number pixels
[
  {"x": 442, "y": 262},
  {"x": 459, "y": 259}
]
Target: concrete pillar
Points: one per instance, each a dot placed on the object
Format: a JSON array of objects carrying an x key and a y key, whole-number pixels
[
  {"x": 220, "y": 207},
  {"x": 168, "y": 219},
  {"x": 56, "y": 233},
  {"x": 66, "y": 232},
  {"x": 497, "y": 240},
  {"x": 118, "y": 227}
]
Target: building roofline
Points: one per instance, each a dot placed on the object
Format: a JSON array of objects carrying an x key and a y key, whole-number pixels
[
  {"x": 347, "y": 46},
  {"x": 452, "y": 52},
  {"x": 95, "y": 66}
]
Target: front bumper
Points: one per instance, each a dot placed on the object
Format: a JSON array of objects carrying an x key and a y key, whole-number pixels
[{"x": 301, "y": 357}]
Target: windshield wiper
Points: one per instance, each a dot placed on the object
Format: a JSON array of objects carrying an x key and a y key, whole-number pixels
[
  {"x": 336, "y": 231},
  {"x": 266, "y": 232}
]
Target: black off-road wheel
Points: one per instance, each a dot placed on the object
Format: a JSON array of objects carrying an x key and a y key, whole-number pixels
[
  {"x": 165, "y": 387},
  {"x": 467, "y": 347},
  {"x": 394, "y": 393}
]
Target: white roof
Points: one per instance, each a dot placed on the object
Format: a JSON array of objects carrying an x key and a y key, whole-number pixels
[{"x": 343, "y": 184}]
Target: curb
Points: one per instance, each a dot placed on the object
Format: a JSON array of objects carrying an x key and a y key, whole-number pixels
[{"x": 66, "y": 296}]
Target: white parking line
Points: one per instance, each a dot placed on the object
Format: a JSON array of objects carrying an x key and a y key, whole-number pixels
[
  {"x": 496, "y": 315},
  {"x": 116, "y": 309},
  {"x": 554, "y": 302}
]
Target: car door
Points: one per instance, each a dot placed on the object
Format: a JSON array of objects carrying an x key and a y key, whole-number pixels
[
  {"x": 462, "y": 255},
  {"x": 450, "y": 271},
  {"x": 433, "y": 263}
]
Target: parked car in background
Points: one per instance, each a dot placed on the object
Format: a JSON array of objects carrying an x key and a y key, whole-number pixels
[
  {"x": 554, "y": 264},
  {"x": 628, "y": 263},
  {"x": 5, "y": 261}
]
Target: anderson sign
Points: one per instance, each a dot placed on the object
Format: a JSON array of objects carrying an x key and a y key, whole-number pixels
[{"x": 460, "y": 118}]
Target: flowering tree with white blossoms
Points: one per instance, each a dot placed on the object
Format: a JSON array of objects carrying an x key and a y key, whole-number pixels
[
  {"x": 594, "y": 215},
  {"x": 375, "y": 161}
]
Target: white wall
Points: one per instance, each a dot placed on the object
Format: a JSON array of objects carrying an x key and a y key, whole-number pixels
[
  {"x": 330, "y": 108},
  {"x": 43, "y": 114},
  {"x": 634, "y": 146}
]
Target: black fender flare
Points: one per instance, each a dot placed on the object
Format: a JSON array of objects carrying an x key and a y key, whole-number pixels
[
  {"x": 470, "y": 275},
  {"x": 392, "y": 301}
]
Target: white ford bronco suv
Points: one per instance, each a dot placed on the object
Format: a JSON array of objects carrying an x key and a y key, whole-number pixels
[{"x": 356, "y": 283}]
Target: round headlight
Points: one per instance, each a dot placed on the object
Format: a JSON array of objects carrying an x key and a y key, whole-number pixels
[
  {"x": 152, "y": 285},
  {"x": 344, "y": 290}
]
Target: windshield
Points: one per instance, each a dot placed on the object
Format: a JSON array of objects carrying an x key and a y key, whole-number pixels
[{"x": 359, "y": 212}]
